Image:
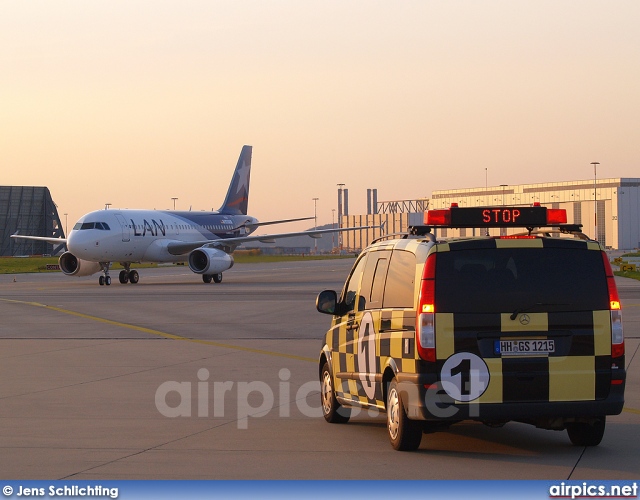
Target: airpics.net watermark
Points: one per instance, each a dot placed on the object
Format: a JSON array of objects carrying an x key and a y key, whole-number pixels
[
  {"x": 211, "y": 397},
  {"x": 256, "y": 399},
  {"x": 589, "y": 490}
]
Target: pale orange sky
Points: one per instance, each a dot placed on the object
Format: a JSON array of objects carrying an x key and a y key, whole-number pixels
[{"x": 135, "y": 102}]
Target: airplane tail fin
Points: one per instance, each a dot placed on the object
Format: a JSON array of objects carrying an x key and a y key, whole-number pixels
[{"x": 237, "y": 200}]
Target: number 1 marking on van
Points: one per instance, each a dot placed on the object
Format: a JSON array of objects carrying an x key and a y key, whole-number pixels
[{"x": 465, "y": 376}]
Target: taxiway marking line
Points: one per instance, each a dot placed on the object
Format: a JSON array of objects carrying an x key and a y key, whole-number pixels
[
  {"x": 159, "y": 333},
  {"x": 186, "y": 339}
]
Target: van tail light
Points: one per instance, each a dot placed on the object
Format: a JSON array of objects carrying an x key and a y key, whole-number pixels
[
  {"x": 617, "y": 332},
  {"x": 614, "y": 299},
  {"x": 617, "y": 335},
  {"x": 425, "y": 321}
]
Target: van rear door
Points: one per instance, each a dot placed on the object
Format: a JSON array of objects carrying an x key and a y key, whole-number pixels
[{"x": 536, "y": 311}]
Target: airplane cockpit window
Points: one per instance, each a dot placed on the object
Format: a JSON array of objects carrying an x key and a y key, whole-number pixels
[{"x": 92, "y": 225}]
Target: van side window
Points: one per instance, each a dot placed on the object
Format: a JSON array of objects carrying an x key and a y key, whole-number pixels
[
  {"x": 377, "y": 287},
  {"x": 372, "y": 286},
  {"x": 351, "y": 287},
  {"x": 399, "y": 291}
]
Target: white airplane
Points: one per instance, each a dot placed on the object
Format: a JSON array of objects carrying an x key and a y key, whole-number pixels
[{"x": 205, "y": 240}]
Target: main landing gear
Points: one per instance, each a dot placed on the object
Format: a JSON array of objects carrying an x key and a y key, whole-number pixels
[
  {"x": 127, "y": 275},
  {"x": 217, "y": 278}
]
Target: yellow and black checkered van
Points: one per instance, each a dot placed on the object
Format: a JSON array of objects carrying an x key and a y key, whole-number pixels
[{"x": 524, "y": 328}]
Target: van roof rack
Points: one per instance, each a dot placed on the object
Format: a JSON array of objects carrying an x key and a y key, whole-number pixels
[{"x": 413, "y": 231}]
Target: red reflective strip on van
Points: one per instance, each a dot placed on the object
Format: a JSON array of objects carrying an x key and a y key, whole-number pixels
[{"x": 617, "y": 350}]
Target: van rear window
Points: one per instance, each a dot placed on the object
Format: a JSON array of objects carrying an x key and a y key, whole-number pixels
[{"x": 520, "y": 279}]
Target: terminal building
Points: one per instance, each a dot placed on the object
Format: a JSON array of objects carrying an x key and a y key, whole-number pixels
[{"x": 608, "y": 209}]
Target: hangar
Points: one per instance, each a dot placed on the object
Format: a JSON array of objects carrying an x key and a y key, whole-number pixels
[
  {"x": 28, "y": 210},
  {"x": 608, "y": 209}
]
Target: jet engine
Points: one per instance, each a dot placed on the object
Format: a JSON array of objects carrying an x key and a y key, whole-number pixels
[
  {"x": 73, "y": 266},
  {"x": 209, "y": 261}
]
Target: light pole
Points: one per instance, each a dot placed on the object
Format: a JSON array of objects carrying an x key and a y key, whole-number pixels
[
  {"x": 65, "y": 225},
  {"x": 595, "y": 199},
  {"x": 174, "y": 202},
  {"x": 315, "y": 222},
  {"x": 107, "y": 205},
  {"x": 486, "y": 184}
]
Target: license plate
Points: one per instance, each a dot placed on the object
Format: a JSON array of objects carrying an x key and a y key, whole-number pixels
[{"x": 524, "y": 347}]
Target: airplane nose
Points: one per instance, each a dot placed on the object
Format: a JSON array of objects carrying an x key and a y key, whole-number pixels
[
  {"x": 79, "y": 241},
  {"x": 83, "y": 244},
  {"x": 72, "y": 239}
]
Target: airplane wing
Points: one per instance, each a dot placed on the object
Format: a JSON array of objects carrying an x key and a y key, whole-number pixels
[
  {"x": 179, "y": 248},
  {"x": 40, "y": 238}
]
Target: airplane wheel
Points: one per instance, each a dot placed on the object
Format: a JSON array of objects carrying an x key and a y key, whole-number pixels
[
  {"x": 107, "y": 280},
  {"x": 206, "y": 278},
  {"x": 101, "y": 280},
  {"x": 123, "y": 277},
  {"x": 134, "y": 277},
  {"x": 217, "y": 278}
]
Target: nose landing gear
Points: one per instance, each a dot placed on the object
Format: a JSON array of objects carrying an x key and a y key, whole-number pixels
[{"x": 106, "y": 279}]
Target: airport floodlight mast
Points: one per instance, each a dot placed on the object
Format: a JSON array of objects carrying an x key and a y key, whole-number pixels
[
  {"x": 315, "y": 223},
  {"x": 174, "y": 202},
  {"x": 595, "y": 200},
  {"x": 486, "y": 182},
  {"x": 107, "y": 206}
]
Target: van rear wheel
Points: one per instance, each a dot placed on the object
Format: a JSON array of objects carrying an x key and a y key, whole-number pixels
[
  {"x": 404, "y": 434},
  {"x": 586, "y": 434}
]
